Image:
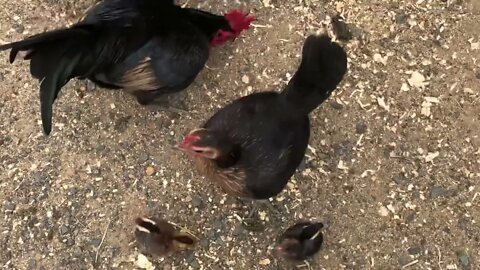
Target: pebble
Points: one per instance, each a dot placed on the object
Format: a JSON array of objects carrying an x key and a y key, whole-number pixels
[
  {"x": 63, "y": 229},
  {"x": 197, "y": 202},
  {"x": 437, "y": 191},
  {"x": 218, "y": 224},
  {"x": 95, "y": 242},
  {"x": 143, "y": 157},
  {"x": 336, "y": 105},
  {"x": 237, "y": 231},
  {"x": 465, "y": 261},
  {"x": 32, "y": 264},
  {"x": 361, "y": 128},
  {"x": 150, "y": 170},
  {"x": 70, "y": 242},
  {"x": 401, "y": 18},
  {"x": 19, "y": 28},
  {"x": 204, "y": 243},
  {"x": 415, "y": 250},
  {"x": 9, "y": 206},
  {"x": 404, "y": 259},
  {"x": 195, "y": 264},
  {"x": 245, "y": 79},
  {"x": 190, "y": 257}
]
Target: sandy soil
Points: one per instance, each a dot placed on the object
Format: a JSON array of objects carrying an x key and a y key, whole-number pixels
[{"x": 393, "y": 169}]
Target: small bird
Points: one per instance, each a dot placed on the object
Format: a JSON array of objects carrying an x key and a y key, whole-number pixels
[
  {"x": 300, "y": 241},
  {"x": 340, "y": 28},
  {"x": 147, "y": 47},
  {"x": 159, "y": 238},
  {"x": 252, "y": 146}
]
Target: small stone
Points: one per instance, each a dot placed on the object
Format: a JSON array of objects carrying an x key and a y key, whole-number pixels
[
  {"x": 410, "y": 218},
  {"x": 404, "y": 259},
  {"x": 437, "y": 191},
  {"x": 90, "y": 85},
  {"x": 196, "y": 202},
  {"x": 95, "y": 242},
  {"x": 245, "y": 79},
  {"x": 143, "y": 262},
  {"x": 150, "y": 170},
  {"x": 401, "y": 18},
  {"x": 336, "y": 105},
  {"x": 465, "y": 261},
  {"x": 190, "y": 257},
  {"x": 383, "y": 211},
  {"x": 63, "y": 230},
  {"x": 204, "y": 243},
  {"x": 414, "y": 250},
  {"x": 70, "y": 242},
  {"x": 19, "y": 28},
  {"x": 360, "y": 128},
  {"x": 32, "y": 264},
  {"x": 237, "y": 231},
  {"x": 9, "y": 206},
  {"x": 195, "y": 264},
  {"x": 218, "y": 224},
  {"x": 143, "y": 157}
]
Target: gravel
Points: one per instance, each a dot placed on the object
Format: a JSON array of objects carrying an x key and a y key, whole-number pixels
[{"x": 392, "y": 165}]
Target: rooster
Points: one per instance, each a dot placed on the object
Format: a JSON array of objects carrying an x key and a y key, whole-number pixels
[{"x": 147, "y": 47}]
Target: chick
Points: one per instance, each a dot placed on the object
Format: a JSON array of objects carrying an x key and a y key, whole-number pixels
[
  {"x": 159, "y": 238},
  {"x": 301, "y": 241}
]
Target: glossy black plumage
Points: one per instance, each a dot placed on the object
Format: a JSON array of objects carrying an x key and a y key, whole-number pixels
[
  {"x": 147, "y": 47},
  {"x": 301, "y": 241},
  {"x": 252, "y": 146}
]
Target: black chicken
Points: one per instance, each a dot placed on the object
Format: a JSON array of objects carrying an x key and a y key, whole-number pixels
[
  {"x": 159, "y": 238},
  {"x": 300, "y": 241},
  {"x": 147, "y": 47},
  {"x": 253, "y": 146}
]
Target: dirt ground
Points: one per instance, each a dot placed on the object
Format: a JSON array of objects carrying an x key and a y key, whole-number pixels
[{"x": 393, "y": 169}]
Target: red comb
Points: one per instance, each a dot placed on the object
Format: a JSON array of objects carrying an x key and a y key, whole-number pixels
[{"x": 239, "y": 20}]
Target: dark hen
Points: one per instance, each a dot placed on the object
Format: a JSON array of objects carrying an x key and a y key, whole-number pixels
[
  {"x": 147, "y": 47},
  {"x": 252, "y": 146}
]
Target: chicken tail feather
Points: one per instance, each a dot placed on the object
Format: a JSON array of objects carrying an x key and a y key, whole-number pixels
[
  {"x": 54, "y": 58},
  {"x": 323, "y": 66}
]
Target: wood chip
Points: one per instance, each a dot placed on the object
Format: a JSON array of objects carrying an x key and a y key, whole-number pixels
[
  {"x": 405, "y": 87},
  {"x": 378, "y": 58},
  {"x": 264, "y": 261},
  {"x": 417, "y": 80},
  {"x": 383, "y": 211},
  {"x": 431, "y": 156},
  {"x": 381, "y": 103},
  {"x": 432, "y": 99},
  {"x": 426, "y": 108}
]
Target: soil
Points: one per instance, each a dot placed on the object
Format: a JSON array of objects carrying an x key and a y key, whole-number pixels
[{"x": 393, "y": 168}]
